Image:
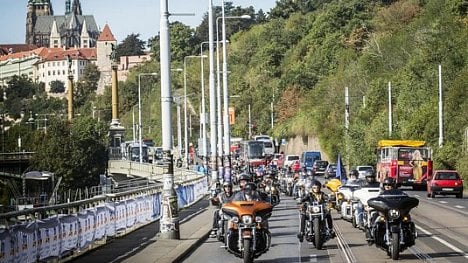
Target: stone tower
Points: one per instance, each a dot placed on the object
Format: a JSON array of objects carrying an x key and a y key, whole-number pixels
[
  {"x": 106, "y": 44},
  {"x": 36, "y": 8}
]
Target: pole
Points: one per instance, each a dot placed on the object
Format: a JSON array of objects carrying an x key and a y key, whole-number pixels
[
  {"x": 140, "y": 141},
  {"x": 169, "y": 222},
  {"x": 272, "y": 118},
  {"x": 133, "y": 124},
  {"x": 347, "y": 125},
  {"x": 212, "y": 91},
  {"x": 179, "y": 131},
  {"x": 250, "y": 123},
  {"x": 203, "y": 109},
  {"x": 390, "y": 110},
  {"x": 219, "y": 105},
  {"x": 227, "y": 135},
  {"x": 185, "y": 115},
  {"x": 441, "y": 121}
]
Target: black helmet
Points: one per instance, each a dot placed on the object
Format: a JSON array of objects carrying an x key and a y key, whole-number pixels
[
  {"x": 249, "y": 188},
  {"x": 245, "y": 177},
  {"x": 317, "y": 183},
  {"x": 354, "y": 172},
  {"x": 388, "y": 181}
]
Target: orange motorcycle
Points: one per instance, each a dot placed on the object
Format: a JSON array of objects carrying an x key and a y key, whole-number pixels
[{"x": 248, "y": 236}]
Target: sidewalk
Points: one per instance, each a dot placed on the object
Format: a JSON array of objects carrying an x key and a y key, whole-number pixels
[{"x": 192, "y": 232}]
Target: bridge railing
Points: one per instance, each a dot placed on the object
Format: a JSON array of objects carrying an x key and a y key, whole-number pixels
[{"x": 64, "y": 231}]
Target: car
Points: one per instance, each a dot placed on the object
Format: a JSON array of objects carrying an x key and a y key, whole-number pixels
[
  {"x": 308, "y": 158},
  {"x": 319, "y": 167},
  {"x": 445, "y": 182},
  {"x": 362, "y": 169},
  {"x": 278, "y": 160},
  {"x": 330, "y": 171},
  {"x": 289, "y": 159}
]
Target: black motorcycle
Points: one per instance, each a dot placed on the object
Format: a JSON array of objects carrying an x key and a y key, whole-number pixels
[
  {"x": 393, "y": 230},
  {"x": 316, "y": 229}
]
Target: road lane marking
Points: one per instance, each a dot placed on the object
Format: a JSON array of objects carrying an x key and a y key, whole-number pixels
[
  {"x": 459, "y": 206},
  {"x": 446, "y": 243},
  {"x": 443, "y": 202}
]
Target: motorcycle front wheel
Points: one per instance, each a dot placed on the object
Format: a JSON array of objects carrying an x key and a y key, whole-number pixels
[
  {"x": 247, "y": 255},
  {"x": 395, "y": 246},
  {"x": 317, "y": 234}
]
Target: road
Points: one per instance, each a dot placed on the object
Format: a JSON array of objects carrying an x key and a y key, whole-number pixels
[{"x": 442, "y": 227}]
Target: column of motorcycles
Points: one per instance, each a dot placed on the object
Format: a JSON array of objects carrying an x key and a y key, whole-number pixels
[{"x": 383, "y": 215}]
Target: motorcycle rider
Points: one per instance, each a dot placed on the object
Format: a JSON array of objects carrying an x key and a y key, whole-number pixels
[
  {"x": 353, "y": 177},
  {"x": 370, "y": 182},
  {"x": 315, "y": 195},
  {"x": 248, "y": 193},
  {"x": 221, "y": 199},
  {"x": 388, "y": 188}
]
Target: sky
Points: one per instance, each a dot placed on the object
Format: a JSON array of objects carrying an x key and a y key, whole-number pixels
[{"x": 123, "y": 16}]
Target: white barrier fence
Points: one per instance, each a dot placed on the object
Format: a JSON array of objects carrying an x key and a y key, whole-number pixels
[{"x": 64, "y": 235}]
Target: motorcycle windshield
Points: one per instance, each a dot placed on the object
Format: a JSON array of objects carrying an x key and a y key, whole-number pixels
[
  {"x": 255, "y": 208},
  {"x": 403, "y": 203}
]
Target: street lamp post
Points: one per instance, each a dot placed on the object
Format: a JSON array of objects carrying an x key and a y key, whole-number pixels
[
  {"x": 227, "y": 135},
  {"x": 185, "y": 108},
  {"x": 140, "y": 140}
]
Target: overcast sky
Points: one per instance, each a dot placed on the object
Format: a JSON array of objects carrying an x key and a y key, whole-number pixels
[{"x": 123, "y": 16}]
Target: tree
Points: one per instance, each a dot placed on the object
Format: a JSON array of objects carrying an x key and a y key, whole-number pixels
[
  {"x": 57, "y": 86},
  {"x": 76, "y": 152},
  {"x": 132, "y": 45},
  {"x": 86, "y": 88}
]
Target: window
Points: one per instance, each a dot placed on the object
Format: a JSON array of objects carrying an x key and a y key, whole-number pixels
[
  {"x": 53, "y": 72},
  {"x": 48, "y": 72}
]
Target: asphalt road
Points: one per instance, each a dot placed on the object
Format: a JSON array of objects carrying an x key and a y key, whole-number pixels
[{"x": 442, "y": 226}]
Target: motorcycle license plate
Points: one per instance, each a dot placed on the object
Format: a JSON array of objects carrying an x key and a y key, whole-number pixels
[{"x": 447, "y": 189}]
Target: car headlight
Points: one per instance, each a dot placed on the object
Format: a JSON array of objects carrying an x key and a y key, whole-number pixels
[
  {"x": 394, "y": 213},
  {"x": 247, "y": 219}
]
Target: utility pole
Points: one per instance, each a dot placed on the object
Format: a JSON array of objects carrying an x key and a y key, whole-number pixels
[
  {"x": 169, "y": 222},
  {"x": 390, "y": 110}
]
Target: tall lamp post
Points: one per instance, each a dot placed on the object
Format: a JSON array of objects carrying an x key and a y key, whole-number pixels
[
  {"x": 185, "y": 109},
  {"x": 227, "y": 135},
  {"x": 140, "y": 140},
  {"x": 218, "y": 88}
]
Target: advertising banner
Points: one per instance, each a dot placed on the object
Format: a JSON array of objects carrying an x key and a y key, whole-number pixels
[
  {"x": 69, "y": 233},
  {"x": 26, "y": 242},
  {"x": 7, "y": 251}
]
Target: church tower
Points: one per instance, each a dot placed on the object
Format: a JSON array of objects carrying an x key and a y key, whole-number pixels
[{"x": 36, "y": 8}]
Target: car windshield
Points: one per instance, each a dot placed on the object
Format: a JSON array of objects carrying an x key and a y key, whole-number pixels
[
  {"x": 292, "y": 158},
  {"x": 447, "y": 176},
  {"x": 268, "y": 144},
  {"x": 321, "y": 163},
  {"x": 365, "y": 168}
]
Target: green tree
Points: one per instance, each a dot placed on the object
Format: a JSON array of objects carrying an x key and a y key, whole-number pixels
[
  {"x": 132, "y": 45},
  {"x": 57, "y": 86},
  {"x": 76, "y": 152},
  {"x": 85, "y": 89}
]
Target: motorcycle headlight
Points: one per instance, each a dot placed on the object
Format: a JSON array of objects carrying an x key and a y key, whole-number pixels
[
  {"x": 246, "y": 219},
  {"x": 258, "y": 219},
  {"x": 316, "y": 209},
  {"x": 235, "y": 219},
  {"x": 394, "y": 213}
]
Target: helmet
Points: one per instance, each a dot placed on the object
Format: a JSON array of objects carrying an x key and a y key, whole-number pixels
[
  {"x": 226, "y": 184},
  {"x": 316, "y": 185},
  {"x": 369, "y": 173},
  {"x": 354, "y": 172},
  {"x": 245, "y": 177},
  {"x": 249, "y": 188},
  {"x": 388, "y": 181}
]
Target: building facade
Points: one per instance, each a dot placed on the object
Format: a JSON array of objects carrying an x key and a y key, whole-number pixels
[{"x": 72, "y": 30}]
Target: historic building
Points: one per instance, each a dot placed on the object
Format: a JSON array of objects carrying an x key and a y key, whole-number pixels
[{"x": 72, "y": 30}]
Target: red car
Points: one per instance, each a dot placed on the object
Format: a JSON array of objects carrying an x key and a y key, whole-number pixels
[{"x": 445, "y": 182}]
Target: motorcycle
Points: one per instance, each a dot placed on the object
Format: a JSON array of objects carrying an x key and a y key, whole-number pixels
[
  {"x": 349, "y": 203},
  {"x": 248, "y": 236},
  {"x": 316, "y": 229},
  {"x": 273, "y": 193},
  {"x": 363, "y": 212},
  {"x": 336, "y": 198},
  {"x": 393, "y": 231}
]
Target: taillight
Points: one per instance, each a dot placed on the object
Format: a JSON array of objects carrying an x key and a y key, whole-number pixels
[{"x": 394, "y": 163}]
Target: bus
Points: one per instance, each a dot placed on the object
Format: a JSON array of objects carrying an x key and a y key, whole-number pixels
[
  {"x": 409, "y": 162},
  {"x": 252, "y": 153}
]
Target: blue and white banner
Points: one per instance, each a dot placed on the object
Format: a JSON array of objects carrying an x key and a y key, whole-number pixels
[
  {"x": 26, "y": 242},
  {"x": 69, "y": 231},
  {"x": 7, "y": 246}
]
